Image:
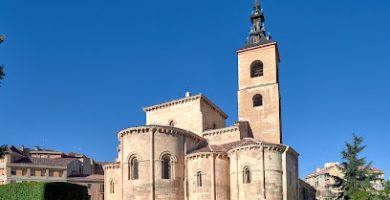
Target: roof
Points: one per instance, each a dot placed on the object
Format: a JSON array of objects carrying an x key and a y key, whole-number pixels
[
  {"x": 160, "y": 129},
  {"x": 228, "y": 146},
  {"x": 186, "y": 100},
  {"x": 86, "y": 178},
  {"x": 327, "y": 171},
  {"x": 13, "y": 149},
  {"x": 60, "y": 162}
]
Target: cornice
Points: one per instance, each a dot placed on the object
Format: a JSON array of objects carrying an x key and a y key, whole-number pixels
[
  {"x": 111, "y": 166},
  {"x": 160, "y": 129},
  {"x": 256, "y": 47},
  {"x": 266, "y": 146},
  {"x": 172, "y": 103},
  {"x": 216, "y": 154},
  {"x": 221, "y": 131},
  {"x": 186, "y": 100}
]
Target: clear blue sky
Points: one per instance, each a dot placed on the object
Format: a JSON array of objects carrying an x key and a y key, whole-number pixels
[{"x": 79, "y": 71}]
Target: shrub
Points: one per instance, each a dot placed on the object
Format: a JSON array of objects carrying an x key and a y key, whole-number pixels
[{"x": 43, "y": 191}]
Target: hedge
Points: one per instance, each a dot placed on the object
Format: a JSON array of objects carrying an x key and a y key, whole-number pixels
[{"x": 43, "y": 191}]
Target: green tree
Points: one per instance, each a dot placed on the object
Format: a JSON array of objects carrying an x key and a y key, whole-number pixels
[
  {"x": 356, "y": 182},
  {"x": 2, "y": 74},
  {"x": 386, "y": 191},
  {"x": 3, "y": 149}
]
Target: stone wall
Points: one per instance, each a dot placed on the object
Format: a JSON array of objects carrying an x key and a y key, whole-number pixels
[
  {"x": 186, "y": 115},
  {"x": 264, "y": 120},
  {"x": 223, "y": 135},
  {"x": 214, "y": 170},
  {"x": 149, "y": 144},
  {"x": 265, "y": 165}
]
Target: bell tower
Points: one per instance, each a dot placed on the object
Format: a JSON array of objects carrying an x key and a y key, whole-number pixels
[{"x": 258, "y": 94}]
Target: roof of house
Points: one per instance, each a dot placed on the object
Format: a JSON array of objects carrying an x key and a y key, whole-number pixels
[
  {"x": 86, "y": 178},
  {"x": 13, "y": 149},
  {"x": 62, "y": 162},
  {"x": 327, "y": 171}
]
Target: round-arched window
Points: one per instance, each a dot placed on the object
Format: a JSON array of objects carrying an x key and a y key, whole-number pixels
[
  {"x": 199, "y": 179},
  {"x": 257, "y": 69},
  {"x": 246, "y": 175},
  {"x": 166, "y": 167},
  {"x": 133, "y": 169}
]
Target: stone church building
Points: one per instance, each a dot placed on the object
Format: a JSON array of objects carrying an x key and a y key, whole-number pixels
[{"x": 186, "y": 151}]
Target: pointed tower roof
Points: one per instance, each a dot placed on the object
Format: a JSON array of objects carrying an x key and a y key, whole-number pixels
[{"x": 257, "y": 35}]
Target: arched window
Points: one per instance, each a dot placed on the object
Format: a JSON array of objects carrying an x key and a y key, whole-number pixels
[
  {"x": 171, "y": 123},
  {"x": 166, "y": 167},
  {"x": 247, "y": 175},
  {"x": 133, "y": 169},
  {"x": 199, "y": 179},
  {"x": 112, "y": 187},
  {"x": 256, "y": 69},
  {"x": 257, "y": 100}
]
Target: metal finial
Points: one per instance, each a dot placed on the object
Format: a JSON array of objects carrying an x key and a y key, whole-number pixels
[{"x": 257, "y": 3}]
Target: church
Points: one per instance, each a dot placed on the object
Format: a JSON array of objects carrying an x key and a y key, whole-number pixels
[{"x": 185, "y": 150}]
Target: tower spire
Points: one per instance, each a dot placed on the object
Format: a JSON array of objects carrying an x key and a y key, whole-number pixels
[{"x": 257, "y": 34}]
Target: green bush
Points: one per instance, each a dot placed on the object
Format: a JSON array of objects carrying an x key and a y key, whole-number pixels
[{"x": 43, "y": 191}]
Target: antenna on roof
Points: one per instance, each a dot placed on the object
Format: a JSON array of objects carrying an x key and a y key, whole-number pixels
[{"x": 43, "y": 142}]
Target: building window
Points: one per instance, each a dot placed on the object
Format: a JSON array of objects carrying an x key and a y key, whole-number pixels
[
  {"x": 166, "y": 167},
  {"x": 13, "y": 171},
  {"x": 171, "y": 123},
  {"x": 43, "y": 172},
  {"x": 214, "y": 126},
  {"x": 199, "y": 179},
  {"x": 133, "y": 169},
  {"x": 112, "y": 187},
  {"x": 257, "y": 100},
  {"x": 32, "y": 172},
  {"x": 101, "y": 188},
  {"x": 247, "y": 175},
  {"x": 257, "y": 69}
]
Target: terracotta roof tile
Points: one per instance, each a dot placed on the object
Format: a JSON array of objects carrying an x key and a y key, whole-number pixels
[
  {"x": 63, "y": 162},
  {"x": 227, "y": 146}
]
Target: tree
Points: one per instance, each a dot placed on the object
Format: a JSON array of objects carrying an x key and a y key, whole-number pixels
[
  {"x": 357, "y": 179},
  {"x": 2, "y": 74},
  {"x": 386, "y": 191},
  {"x": 3, "y": 150}
]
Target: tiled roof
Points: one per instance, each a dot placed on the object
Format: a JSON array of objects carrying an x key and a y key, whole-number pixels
[
  {"x": 85, "y": 177},
  {"x": 13, "y": 149},
  {"x": 326, "y": 170},
  {"x": 227, "y": 146},
  {"x": 62, "y": 162}
]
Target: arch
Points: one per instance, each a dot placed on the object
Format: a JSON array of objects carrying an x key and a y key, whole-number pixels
[
  {"x": 166, "y": 166},
  {"x": 168, "y": 153},
  {"x": 257, "y": 69},
  {"x": 257, "y": 100},
  {"x": 199, "y": 182},
  {"x": 246, "y": 175},
  {"x": 134, "y": 154},
  {"x": 133, "y": 168},
  {"x": 112, "y": 186}
]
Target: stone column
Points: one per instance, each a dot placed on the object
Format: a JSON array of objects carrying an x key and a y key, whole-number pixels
[{"x": 152, "y": 166}]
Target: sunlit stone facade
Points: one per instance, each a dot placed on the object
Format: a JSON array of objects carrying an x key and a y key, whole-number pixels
[{"x": 186, "y": 151}]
